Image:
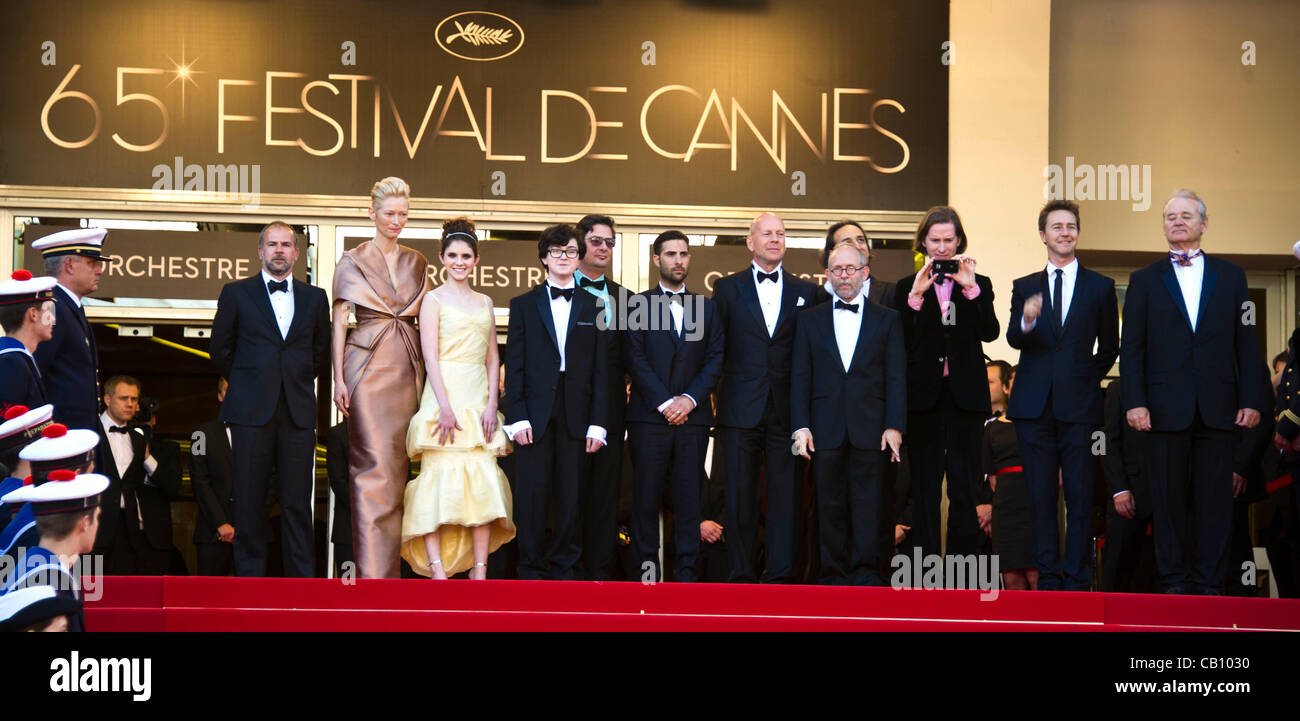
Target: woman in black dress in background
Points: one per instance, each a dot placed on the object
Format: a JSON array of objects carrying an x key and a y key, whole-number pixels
[{"x": 1001, "y": 457}]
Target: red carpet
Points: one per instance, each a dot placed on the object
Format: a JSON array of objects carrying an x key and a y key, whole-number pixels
[{"x": 248, "y": 604}]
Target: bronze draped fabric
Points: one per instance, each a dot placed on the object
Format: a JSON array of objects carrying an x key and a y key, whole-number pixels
[{"x": 384, "y": 372}]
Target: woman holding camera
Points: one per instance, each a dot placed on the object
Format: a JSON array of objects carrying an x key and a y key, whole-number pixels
[{"x": 947, "y": 314}]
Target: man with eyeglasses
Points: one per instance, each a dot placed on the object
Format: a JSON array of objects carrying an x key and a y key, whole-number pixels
[
  {"x": 756, "y": 307},
  {"x": 848, "y": 404},
  {"x": 600, "y": 495},
  {"x": 557, "y": 364}
]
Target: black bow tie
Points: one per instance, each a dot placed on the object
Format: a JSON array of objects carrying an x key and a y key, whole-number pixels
[
  {"x": 773, "y": 276},
  {"x": 589, "y": 283},
  {"x": 841, "y": 305},
  {"x": 117, "y": 429},
  {"x": 557, "y": 292},
  {"x": 280, "y": 285},
  {"x": 677, "y": 297}
]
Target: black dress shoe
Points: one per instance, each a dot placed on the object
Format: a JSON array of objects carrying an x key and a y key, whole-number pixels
[
  {"x": 1179, "y": 590},
  {"x": 1206, "y": 591}
]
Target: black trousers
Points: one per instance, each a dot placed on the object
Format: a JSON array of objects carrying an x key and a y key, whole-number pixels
[
  {"x": 550, "y": 473},
  {"x": 1191, "y": 502},
  {"x": 1128, "y": 560},
  {"x": 290, "y": 449},
  {"x": 129, "y": 553},
  {"x": 1049, "y": 450},
  {"x": 745, "y": 449},
  {"x": 850, "y": 493},
  {"x": 600, "y": 506},
  {"x": 673, "y": 456},
  {"x": 215, "y": 559},
  {"x": 945, "y": 440}
]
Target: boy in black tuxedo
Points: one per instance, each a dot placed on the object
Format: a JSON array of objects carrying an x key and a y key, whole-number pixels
[
  {"x": 674, "y": 358},
  {"x": 555, "y": 424},
  {"x": 848, "y": 406}
]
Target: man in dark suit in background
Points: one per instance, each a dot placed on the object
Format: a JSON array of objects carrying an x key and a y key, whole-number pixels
[
  {"x": 214, "y": 491},
  {"x": 269, "y": 339},
  {"x": 336, "y": 467},
  {"x": 1188, "y": 364},
  {"x": 674, "y": 358},
  {"x": 600, "y": 495},
  {"x": 557, "y": 362},
  {"x": 1128, "y": 560},
  {"x": 848, "y": 404},
  {"x": 1057, "y": 316},
  {"x": 135, "y": 531},
  {"x": 877, "y": 290},
  {"x": 69, "y": 361},
  {"x": 757, "y": 308}
]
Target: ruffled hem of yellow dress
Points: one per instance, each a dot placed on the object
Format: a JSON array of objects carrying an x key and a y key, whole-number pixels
[
  {"x": 454, "y": 492},
  {"x": 420, "y": 435}
]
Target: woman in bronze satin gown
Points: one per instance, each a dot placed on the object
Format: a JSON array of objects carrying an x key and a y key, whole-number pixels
[{"x": 378, "y": 374}]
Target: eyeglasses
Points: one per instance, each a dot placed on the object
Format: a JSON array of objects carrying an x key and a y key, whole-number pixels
[
  {"x": 598, "y": 241},
  {"x": 845, "y": 270},
  {"x": 562, "y": 252}
]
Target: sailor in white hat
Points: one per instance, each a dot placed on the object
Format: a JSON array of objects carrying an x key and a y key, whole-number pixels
[
  {"x": 19, "y": 428},
  {"x": 27, "y": 316},
  {"x": 38, "y": 608},
  {"x": 66, "y": 506},
  {"x": 57, "y": 449},
  {"x": 69, "y": 361}
]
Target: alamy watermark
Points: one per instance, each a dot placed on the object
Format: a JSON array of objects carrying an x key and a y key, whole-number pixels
[
  {"x": 84, "y": 575},
  {"x": 1098, "y": 182},
  {"x": 232, "y": 183},
  {"x": 932, "y": 571}
]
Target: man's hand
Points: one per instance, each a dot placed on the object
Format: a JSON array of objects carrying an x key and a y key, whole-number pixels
[
  {"x": 678, "y": 410},
  {"x": 993, "y": 483},
  {"x": 226, "y": 533},
  {"x": 1285, "y": 445},
  {"x": 1033, "y": 308},
  {"x": 965, "y": 276},
  {"x": 594, "y": 444},
  {"x": 893, "y": 440},
  {"x": 900, "y": 532},
  {"x": 524, "y": 437},
  {"x": 1247, "y": 417},
  {"x": 923, "y": 280},
  {"x": 1139, "y": 419},
  {"x": 1124, "y": 505},
  {"x": 803, "y": 443},
  {"x": 1238, "y": 484},
  {"x": 984, "y": 512},
  {"x": 710, "y": 532}
]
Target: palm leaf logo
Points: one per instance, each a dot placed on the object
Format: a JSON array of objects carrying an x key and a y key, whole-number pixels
[{"x": 476, "y": 34}]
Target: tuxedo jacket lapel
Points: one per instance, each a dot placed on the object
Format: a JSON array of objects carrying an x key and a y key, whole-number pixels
[
  {"x": 301, "y": 297},
  {"x": 749, "y": 299},
  {"x": 544, "y": 309},
  {"x": 1207, "y": 287},
  {"x": 1171, "y": 283},
  {"x": 262, "y": 300}
]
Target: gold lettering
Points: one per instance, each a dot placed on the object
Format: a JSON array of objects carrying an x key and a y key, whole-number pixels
[
  {"x": 851, "y": 126},
  {"x": 352, "y": 127},
  {"x": 221, "y": 111},
  {"x": 459, "y": 90},
  {"x": 406, "y": 139},
  {"x": 779, "y": 105},
  {"x": 608, "y": 123},
  {"x": 591, "y": 116},
  {"x": 489, "y": 155},
  {"x": 338, "y": 129},
  {"x": 886, "y": 133},
  {"x": 715, "y": 104},
  {"x": 645, "y": 111},
  {"x": 272, "y": 110}
]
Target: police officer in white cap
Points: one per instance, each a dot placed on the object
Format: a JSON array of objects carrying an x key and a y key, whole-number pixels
[
  {"x": 69, "y": 361},
  {"x": 67, "y": 517},
  {"x": 27, "y": 316},
  {"x": 19, "y": 428}
]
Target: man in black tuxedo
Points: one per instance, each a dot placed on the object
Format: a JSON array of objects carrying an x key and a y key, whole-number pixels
[
  {"x": 135, "y": 531},
  {"x": 214, "y": 491},
  {"x": 848, "y": 405},
  {"x": 1128, "y": 560},
  {"x": 674, "y": 358},
  {"x": 877, "y": 291},
  {"x": 269, "y": 339},
  {"x": 557, "y": 386},
  {"x": 599, "y": 507},
  {"x": 1188, "y": 364},
  {"x": 757, "y": 308},
  {"x": 69, "y": 361},
  {"x": 947, "y": 315},
  {"x": 1058, "y": 315}
]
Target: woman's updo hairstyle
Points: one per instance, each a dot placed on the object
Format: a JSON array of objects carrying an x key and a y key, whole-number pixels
[
  {"x": 387, "y": 188},
  {"x": 459, "y": 229}
]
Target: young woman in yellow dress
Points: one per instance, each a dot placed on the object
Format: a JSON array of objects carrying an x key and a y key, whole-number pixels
[{"x": 457, "y": 510}]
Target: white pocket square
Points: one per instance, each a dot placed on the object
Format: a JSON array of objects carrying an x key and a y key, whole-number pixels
[{"x": 799, "y": 302}]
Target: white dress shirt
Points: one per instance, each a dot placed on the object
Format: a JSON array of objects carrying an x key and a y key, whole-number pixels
[
  {"x": 847, "y": 327},
  {"x": 678, "y": 311},
  {"x": 1069, "y": 275},
  {"x": 769, "y": 295},
  {"x": 123, "y": 452},
  {"x": 1190, "y": 278},
  {"x": 281, "y": 303},
  {"x": 560, "y": 310}
]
